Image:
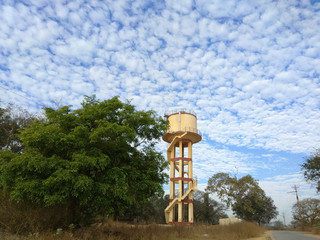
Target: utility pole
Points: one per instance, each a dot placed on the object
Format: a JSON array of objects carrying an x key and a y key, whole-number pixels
[
  {"x": 295, "y": 188},
  {"x": 284, "y": 219}
]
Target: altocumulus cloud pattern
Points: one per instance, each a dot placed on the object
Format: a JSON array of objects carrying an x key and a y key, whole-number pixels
[{"x": 249, "y": 69}]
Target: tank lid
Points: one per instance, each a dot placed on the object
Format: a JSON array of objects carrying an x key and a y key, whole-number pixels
[{"x": 174, "y": 111}]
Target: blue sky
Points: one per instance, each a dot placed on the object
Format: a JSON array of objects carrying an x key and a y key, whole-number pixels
[{"x": 248, "y": 69}]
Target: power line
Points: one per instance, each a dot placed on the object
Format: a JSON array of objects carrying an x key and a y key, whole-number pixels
[{"x": 29, "y": 99}]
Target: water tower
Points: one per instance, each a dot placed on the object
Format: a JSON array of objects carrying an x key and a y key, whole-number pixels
[{"x": 182, "y": 133}]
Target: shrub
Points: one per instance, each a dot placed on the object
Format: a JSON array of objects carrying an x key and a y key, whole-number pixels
[
  {"x": 316, "y": 229},
  {"x": 25, "y": 218}
]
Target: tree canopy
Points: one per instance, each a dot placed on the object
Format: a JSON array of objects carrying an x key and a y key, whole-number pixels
[
  {"x": 206, "y": 209},
  {"x": 247, "y": 200},
  {"x": 307, "y": 211},
  {"x": 12, "y": 120},
  {"x": 311, "y": 168},
  {"x": 98, "y": 159}
]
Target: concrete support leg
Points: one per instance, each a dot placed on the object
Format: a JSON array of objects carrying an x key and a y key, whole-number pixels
[
  {"x": 190, "y": 220},
  {"x": 190, "y": 175},
  {"x": 180, "y": 182},
  {"x": 172, "y": 186}
]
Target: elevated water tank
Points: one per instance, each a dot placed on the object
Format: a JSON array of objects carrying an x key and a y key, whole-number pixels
[{"x": 181, "y": 122}]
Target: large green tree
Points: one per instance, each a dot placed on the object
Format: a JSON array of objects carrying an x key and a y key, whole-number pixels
[
  {"x": 98, "y": 159},
  {"x": 311, "y": 168},
  {"x": 246, "y": 199}
]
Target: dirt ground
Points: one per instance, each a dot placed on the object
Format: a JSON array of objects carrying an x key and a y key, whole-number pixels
[
  {"x": 312, "y": 235},
  {"x": 266, "y": 236}
]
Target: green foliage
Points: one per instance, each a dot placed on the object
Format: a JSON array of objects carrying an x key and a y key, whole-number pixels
[
  {"x": 311, "y": 168},
  {"x": 247, "y": 200},
  {"x": 12, "y": 120},
  {"x": 277, "y": 225},
  {"x": 98, "y": 159},
  {"x": 206, "y": 209},
  {"x": 150, "y": 212}
]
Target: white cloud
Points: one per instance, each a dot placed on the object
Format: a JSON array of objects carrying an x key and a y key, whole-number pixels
[
  {"x": 9, "y": 14},
  {"x": 249, "y": 69},
  {"x": 280, "y": 189},
  {"x": 180, "y": 6},
  {"x": 61, "y": 10},
  {"x": 209, "y": 160},
  {"x": 188, "y": 26}
]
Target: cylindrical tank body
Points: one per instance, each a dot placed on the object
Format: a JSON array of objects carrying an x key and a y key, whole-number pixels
[{"x": 179, "y": 122}]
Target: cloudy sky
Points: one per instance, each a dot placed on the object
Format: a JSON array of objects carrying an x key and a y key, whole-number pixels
[{"x": 248, "y": 69}]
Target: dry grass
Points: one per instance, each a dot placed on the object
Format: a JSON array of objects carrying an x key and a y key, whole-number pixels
[
  {"x": 316, "y": 229},
  {"x": 122, "y": 231},
  {"x": 26, "y": 217}
]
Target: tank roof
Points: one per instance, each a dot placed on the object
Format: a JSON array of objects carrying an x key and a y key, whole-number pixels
[{"x": 176, "y": 111}]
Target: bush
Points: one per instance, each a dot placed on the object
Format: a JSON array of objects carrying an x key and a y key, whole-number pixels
[
  {"x": 26, "y": 218},
  {"x": 316, "y": 229}
]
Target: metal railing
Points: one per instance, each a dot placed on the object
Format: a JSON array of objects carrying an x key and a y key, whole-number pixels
[
  {"x": 187, "y": 129},
  {"x": 170, "y": 112}
]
